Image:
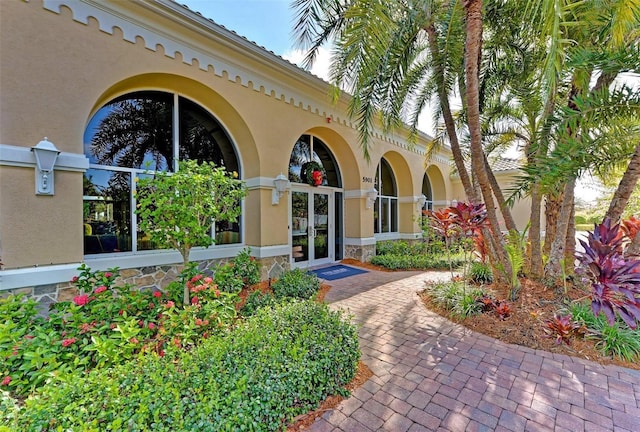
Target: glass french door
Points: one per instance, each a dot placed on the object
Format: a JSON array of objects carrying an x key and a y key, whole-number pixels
[{"x": 312, "y": 232}]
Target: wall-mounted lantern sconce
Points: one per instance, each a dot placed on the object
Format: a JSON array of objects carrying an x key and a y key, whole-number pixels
[
  {"x": 281, "y": 184},
  {"x": 420, "y": 202},
  {"x": 46, "y": 154},
  {"x": 372, "y": 194}
]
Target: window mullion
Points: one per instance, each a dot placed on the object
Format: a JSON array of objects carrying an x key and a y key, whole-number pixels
[{"x": 176, "y": 131}]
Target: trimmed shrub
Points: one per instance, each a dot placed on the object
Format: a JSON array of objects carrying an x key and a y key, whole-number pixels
[
  {"x": 422, "y": 262},
  {"x": 257, "y": 300},
  {"x": 278, "y": 364},
  {"x": 297, "y": 284},
  {"x": 227, "y": 279},
  {"x": 246, "y": 267}
]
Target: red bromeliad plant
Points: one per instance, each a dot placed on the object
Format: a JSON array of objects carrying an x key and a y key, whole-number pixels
[
  {"x": 563, "y": 328},
  {"x": 442, "y": 223},
  {"x": 615, "y": 280}
]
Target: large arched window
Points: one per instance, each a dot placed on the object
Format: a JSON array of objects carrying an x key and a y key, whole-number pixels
[
  {"x": 133, "y": 136},
  {"x": 311, "y": 149},
  {"x": 385, "y": 212}
]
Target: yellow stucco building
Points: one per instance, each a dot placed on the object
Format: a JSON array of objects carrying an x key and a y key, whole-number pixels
[{"x": 123, "y": 87}]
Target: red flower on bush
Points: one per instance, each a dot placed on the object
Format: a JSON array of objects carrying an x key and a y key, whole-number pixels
[
  {"x": 81, "y": 300},
  {"x": 6, "y": 381},
  {"x": 151, "y": 326},
  {"x": 108, "y": 274},
  {"x": 100, "y": 289},
  {"x": 157, "y": 294},
  {"x": 74, "y": 279},
  {"x": 68, "y": 342},
  {"x": 170, "y": 304},
  {"x": 194, "y": 300},
  {"x": 198, "y": 322}
]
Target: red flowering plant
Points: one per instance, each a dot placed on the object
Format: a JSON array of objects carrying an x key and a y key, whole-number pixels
[
  {"x": 613, "y": 278},
  {"x": 210, "y": 312}
]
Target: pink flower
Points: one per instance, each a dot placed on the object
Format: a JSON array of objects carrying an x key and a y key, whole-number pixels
[
  {"x": 74, "y": 279},
  {"x": 120, "y": 312},
  {"x": 170, "y": 304},
  {"x": 208, "y": 280},
  {"x": 108, "y": 274},
  {"x": 161, "y": 353},
  {"x": 198, "y": 321},
  {"x": 152, "y": 326},
  {"x": 81, "y": 300},
  {"x": 100, "y": 289},
  {"x": 6, "y": 381},
  {"x": 141, "y": 323},
  {"x": 157, "y": 294},
  {"x": 194, "y": 300},
  {"x": 112, "y": 326},
  {"x": 133, "y": 340},
  {"x": 68, "y": 342}
]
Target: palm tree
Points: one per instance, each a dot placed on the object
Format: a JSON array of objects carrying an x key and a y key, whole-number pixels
[{"x": 390, "y": 56}]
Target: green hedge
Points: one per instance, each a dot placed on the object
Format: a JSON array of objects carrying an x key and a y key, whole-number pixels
[
  {"x": 297, "y": 284},
  {"x": 278, "y": 364},
  {"x": 423, "y": 262}
]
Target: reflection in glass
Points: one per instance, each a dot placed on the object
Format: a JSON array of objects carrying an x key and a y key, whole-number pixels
[
  {"x": 321, "y": 225},
  {"x": 300, "y": 226},
  {"x": 133, "y": 135},
  {"x": 308, "y": 149},
  {"x": 107, "y": 211},
  {"x": 385, "y": 212},
  {"x": 134, "y": 131}
]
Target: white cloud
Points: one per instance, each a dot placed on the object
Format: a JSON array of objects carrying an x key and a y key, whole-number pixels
[{"x": 320, "y": 66}]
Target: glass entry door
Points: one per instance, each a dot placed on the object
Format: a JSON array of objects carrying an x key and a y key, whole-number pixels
[{"x": 312, "y": 234}]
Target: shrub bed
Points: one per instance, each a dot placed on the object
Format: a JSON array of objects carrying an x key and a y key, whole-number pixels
[
  {"x": 277, "y": 364},
  {"x": 408, "y": 262}
]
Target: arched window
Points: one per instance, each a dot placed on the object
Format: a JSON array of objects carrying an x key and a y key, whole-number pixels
[
  {"x": 133, "y": 136},
  {"x": 427, "y": 192},
  {"x": 385, "y": 212},
  {"x": 309, "y": 149}
]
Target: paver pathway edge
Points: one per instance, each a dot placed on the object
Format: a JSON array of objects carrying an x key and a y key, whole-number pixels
[{"x": 434, "y": 375}]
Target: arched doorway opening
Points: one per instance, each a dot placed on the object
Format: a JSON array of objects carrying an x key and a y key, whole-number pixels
[{"x": 316, "y": 226}]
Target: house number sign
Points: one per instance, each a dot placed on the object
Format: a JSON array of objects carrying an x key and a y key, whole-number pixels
[{"x": 367, "y": 180}]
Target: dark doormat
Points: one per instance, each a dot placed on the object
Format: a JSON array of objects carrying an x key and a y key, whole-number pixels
[{"x": 337, "y": 271}]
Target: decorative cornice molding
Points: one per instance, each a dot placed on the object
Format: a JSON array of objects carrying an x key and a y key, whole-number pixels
[{"x": 116, "y": 14}]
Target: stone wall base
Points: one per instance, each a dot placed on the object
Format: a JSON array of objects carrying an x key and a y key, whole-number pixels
[
  {"x": 361, "y": 253},
  {"x": 143, "y": 278}
]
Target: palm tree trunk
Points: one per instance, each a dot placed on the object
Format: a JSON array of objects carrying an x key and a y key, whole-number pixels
[
  {"x": 509, "y": 223},
  {"x": 473, "y": 45},
  {"x": 449, "y": 123},
  {"x": 534, "y": 265},
  {"x": 552, "y": 214},
  {"x": 625, "y": 188},
  {"x": 570, "y": 245},
  {"x": 553, "y": 269}
]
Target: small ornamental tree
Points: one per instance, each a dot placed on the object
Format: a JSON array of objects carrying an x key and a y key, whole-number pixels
[{"x": 177, "y": 210}]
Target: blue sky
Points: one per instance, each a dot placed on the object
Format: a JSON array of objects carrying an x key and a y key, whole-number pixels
[{"x": 265, "y": 22}]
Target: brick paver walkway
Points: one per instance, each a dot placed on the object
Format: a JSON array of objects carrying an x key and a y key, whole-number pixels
[{"x": 431, "y": 374}]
